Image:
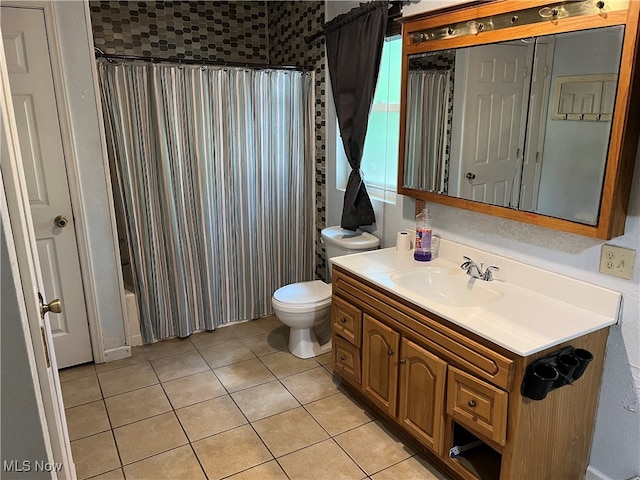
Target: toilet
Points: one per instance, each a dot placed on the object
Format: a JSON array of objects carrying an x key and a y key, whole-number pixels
[{"x": 305, "y": 307}]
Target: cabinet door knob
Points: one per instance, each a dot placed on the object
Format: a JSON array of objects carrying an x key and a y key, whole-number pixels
[
  {"x": 343, "y": 358},
  {"x": 343, "y": 320},
  {"x": 471, "y": 403},
  {"x": 390, "y": 352},
  {"x": 402, "y": 361}
]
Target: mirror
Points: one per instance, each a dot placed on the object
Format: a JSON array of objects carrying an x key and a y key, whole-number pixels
[
  {"x": 523, "y": 110},
  {"x": 523, "y": 124}
]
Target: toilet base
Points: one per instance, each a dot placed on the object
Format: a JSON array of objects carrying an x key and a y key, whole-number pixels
[{"x": 303, "y": 343}]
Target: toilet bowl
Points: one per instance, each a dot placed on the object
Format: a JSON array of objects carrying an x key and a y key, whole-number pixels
[{"x": 305, "y": 307}]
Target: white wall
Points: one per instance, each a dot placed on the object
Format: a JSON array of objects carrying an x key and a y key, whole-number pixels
[
  {"x": 617, "y": 433},
  {"x": 77, "y": 59},
  {"x": 567, "y": 189}
]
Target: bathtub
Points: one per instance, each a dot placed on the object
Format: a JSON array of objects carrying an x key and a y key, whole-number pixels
[{"x": 133, "y": 319}]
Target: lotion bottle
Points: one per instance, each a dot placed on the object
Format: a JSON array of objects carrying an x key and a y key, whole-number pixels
[{"x": 422, "y": 251}]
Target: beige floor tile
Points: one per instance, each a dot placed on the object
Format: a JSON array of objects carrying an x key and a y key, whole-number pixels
[
  {"x": 414, "y": 468},
  {"x": 283, "y": 364},
  {"x": 176, "y": 366},
  {"x": 310, "y": 385},
  {"x": 88, "y": 419},
  {"x": 137, "y": 356},
  {"x": 208, "y": 418},
  {"x": 264, "y": 400},
  {"x": 215, "y": 337},
  {"x": 276, "y": 341},
  {"x": 243, "y": 375},
  {"x": 80, "y": 371},
  {"x": 261, "y": 326},
  {"x": 288, "y": 431},
  {"x": 338, "y": 413},
  {"x": 165, "y": 348},
  {"x": 179, "y": 463},
  {"x": 226, "y": 353},
  {"x": 373, "y": 447},
  {"x": 126, "y": 379},
  {"x": 266, "y": 471},
  {"x": 322, "y": 460},
  {"x": 197, "y": 388},
  {"x": 116, "y": 474},
  {"x": 137, "y": 405},
  {"x": 95, "y": 455},
  {"x": 324, "y": 359},
  {"x": 149, "y": 437},
  {"x": 231, "y": 452},
  {"x": 80, "y": 391}
]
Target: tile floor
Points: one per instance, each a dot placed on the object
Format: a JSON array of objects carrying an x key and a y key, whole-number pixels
[{"x": 233, "y": 403}]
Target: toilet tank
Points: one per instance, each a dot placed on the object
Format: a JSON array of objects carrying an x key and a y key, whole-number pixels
[{"x": 338, "y": 241}]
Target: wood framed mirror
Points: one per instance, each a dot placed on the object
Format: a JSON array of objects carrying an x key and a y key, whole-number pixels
[{"x": 526, "y": 110}]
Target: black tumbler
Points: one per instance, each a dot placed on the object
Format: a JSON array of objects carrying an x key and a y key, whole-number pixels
[
  {"x": 584, "y": 357},
  {"x": 539, "y": 380},
  {"x": 567, "y": 363}
]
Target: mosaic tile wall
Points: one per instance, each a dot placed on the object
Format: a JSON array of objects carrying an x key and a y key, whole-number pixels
[
  {"x": 215, "y": 31},
  {"x": 289, "y": 23},
  {"x": 233, "y": 31}
]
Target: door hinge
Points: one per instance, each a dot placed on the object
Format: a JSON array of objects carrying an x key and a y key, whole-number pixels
[{"x": 46, "y": 347}]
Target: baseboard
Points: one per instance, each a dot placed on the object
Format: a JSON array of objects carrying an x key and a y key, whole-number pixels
[
  {"x": 135, "y": 340},
  {"x": 117, "y": 353}
]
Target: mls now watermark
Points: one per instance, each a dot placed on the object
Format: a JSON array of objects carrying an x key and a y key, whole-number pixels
[{"x": 29, "y": 466}]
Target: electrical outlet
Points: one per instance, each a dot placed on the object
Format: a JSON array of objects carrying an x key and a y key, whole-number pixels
[{"x": 617, "y": 261}]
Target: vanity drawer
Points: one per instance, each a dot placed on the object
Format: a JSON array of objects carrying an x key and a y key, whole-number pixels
[
  {"x": 477, "y": 405},
  {"x": 346, "y": 360},
  {"x": 347, "y": 321}
]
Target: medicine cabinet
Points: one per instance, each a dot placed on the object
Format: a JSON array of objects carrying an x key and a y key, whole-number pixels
[{"x": 524, "y": 110}]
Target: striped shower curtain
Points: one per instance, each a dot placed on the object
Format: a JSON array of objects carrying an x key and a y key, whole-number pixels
[
  {"x": 426, "y": 155},
  {"x": 215, "y": 166}
]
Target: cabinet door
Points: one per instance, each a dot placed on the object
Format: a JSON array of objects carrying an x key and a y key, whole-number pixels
[
  {"x": 477, "y": 405},
  {"x": 421, "y": 394},
  {"x": 380, "y": 364}
]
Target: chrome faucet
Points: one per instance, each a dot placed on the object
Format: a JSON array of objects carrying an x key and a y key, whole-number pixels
[{"x": 475, "y": 271}]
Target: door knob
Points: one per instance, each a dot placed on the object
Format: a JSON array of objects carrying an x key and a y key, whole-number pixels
[
  {"x": 470, "y": 176},
  {"x": 60, "y": 221},
  {"x": 54, "y": 306}
]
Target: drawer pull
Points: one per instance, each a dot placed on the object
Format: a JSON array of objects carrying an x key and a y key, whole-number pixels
[
  {"x": 390, "y": 352},
  {"x": 402, "y": 361},
  {"x": 343, "y": 320},
  {"x": 343, "y": 358},
  {"x": 471, "y": 403}
]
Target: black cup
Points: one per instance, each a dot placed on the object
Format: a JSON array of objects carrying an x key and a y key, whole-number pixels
[
  {"x": 584, "y": 357},
  {"x": 539, "y": 379},
  {"x": 567, "y": 363}
]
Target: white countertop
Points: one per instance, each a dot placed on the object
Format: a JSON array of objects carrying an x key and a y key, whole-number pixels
[{"x": 539, "y": 308}]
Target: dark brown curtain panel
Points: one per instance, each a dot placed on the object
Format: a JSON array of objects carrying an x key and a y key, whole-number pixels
[{"x": 354, "y": 43}]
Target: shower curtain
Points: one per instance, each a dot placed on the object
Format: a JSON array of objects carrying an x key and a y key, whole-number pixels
[
  {"x": 215, "y": 168},
  {"x": 426, "y": 164}
]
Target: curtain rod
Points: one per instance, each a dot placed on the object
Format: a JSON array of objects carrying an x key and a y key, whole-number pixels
[{"x": 109, "y": 57}]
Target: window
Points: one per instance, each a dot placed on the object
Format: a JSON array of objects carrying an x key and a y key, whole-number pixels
[{"x": 380, "y": 158}]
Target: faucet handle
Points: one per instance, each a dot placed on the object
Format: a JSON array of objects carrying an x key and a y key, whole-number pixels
[
  {"x": 488, "y": 276},
  {"x": 467, "y": 262}
]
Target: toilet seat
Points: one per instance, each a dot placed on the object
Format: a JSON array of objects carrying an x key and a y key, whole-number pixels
[{"x": 303, "y": 296}]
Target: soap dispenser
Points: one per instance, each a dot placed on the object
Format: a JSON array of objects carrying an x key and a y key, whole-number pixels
[{"x": 422, "y": 251}]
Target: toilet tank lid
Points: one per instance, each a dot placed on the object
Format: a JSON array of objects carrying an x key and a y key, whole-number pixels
[
  {"x": 303, "y": 293},
  {"x": 358, "y": 240}
]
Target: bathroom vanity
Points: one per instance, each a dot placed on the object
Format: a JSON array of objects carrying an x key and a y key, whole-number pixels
[{"x": 442, "y": 357}]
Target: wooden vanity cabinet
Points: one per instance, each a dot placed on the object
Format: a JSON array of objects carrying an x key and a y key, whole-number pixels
[{"x": 442, "y": 387}]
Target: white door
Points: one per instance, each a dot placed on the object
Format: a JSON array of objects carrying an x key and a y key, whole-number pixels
[
  {"x": 493, "y": 121},
  {"x": 34, "y": 100},
  {"x": 22, "y": 249}
]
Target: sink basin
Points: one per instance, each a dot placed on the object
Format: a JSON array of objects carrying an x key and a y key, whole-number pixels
[{"x": 444, "y": 286}]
